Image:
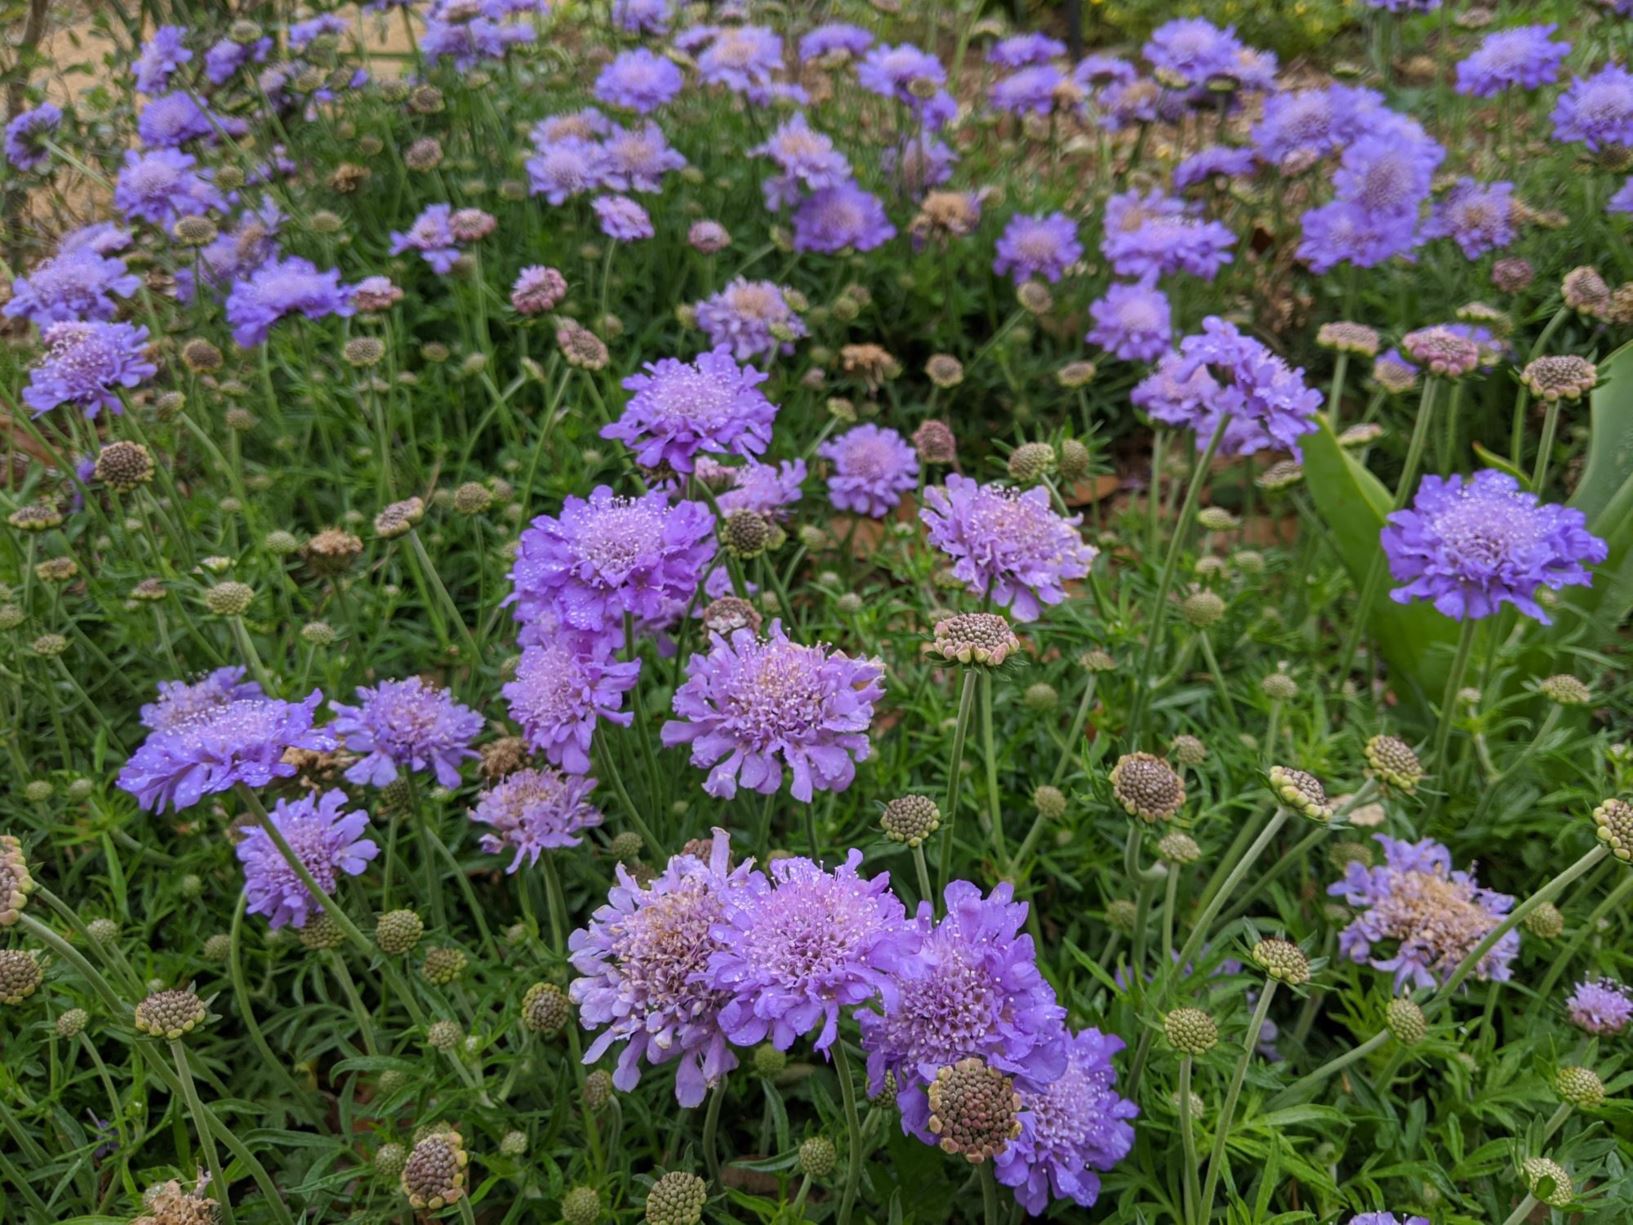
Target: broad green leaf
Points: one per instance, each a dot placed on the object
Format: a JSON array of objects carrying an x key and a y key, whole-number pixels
[{"x": 1609, "y": 461}]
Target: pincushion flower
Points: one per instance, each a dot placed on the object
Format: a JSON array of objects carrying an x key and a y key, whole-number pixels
[
  {"x": 1158, "y": 235},
  {"x": 913, "y": 77},
  {"x": 1006, "y": 543},
  {"x": 1037, "y": 246},
  {"x": 181, "y": 702},
  {"x": 1525, "y": 57},
  {"x": 1343, "y": 233},
  {"x": 1433, "y": 915},
  {"x": 841, "y": 218},
  {"x": 972, "y": 989},
  {"x": 1193, "y": 50},
  {"x": 622, "y": 219},
  {"x": 753, "y": 706},
  {"x": 1071, "y": 1128},
  {"x": 742, "y": 59},
  {"x": 638, "y": 80},
  {"x": 1600, "y": 1006},
  {"x": 406, "y": 725},
  {"x": 807, "y": 159},
  {"x": 431, "y": 236},
  {"x": 1472, "y": 545},
  {"x": 1035, "y": 90},
  {"x": 750, "y": 318},
  {"x": 834, "y": 38},
  {"x": 175, "y": 119},
  {"x": 765, "y": 489},
  {"x": 238, "y": 741},
  {"x": 85, "y": 364},
  {"x": 465, "y": 33},
  {"x": 1134, "y": 322},
  {"x": 161, "y": 185},
  {"x": 797, "y": 948},
  {"x": 636, "y": 159},
  {"x": 566, "y": 168},
  {"x": 1386, "y": 1218},
  {"x": 78, "y": 284},
  {"x": 1019, "y": 50},
  {"x": 682, "y": 409},
  {"x": 872, "y": 468},
  {"x": 1597, "y": 110},
  {"x": 643, "y": 961},
  {"x": 327, "y": 840},
  {"x": 561, "y": 689},
  {"x": 643, "y": 16},
  {"x": 1479, "y": 217},
  {"x": 279, "y": 288},
  {"x": 606, "y": 557},
  {"x": 161, "y": 55},
  {"x": 26, "y": 134},
  {"x": 1311, "y": 123},
  {"x": 1213, "y": 162},
  {"x": 531, "y": 811}
]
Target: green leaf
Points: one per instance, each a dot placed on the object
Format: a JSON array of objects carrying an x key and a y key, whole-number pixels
[{"x": 1609, "y": 461}]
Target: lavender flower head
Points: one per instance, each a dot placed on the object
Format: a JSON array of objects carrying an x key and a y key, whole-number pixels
[
  {"x": 622, "y": 219},
  {"x": 742, "y": 59},
  {"x": 1158, "y": 235},
  {"x": 1386, "y": 1218},
  {"x": 639, "y": 81},
  {"x": 1597, "y": 110},
  {"x": 973, "y": 989},
  {"x": 1213, "y": 162},
  {"x": 1037, "y": 246},
  {"x": 834, "y": 39},
  {"x": 681, "y": 409},
  {"x": 644, "y": 958},
  {"x": 327, "y": 840},
  {"x": 85, "y": 364},
  {"x": 1036, "y": 90},
  {"x": 26, "y": 134},
  {"x": 564, "y": 168},
  {"x": 841, "y": 218},
  {"x": 1070, "y": 1128},
  {"x": 1525, "y": 57},
  {"x": 1435, "y": 916},
  {"x": 406, "y": 725},
  {"x": 797, "y": 948},
  {"x": 175, "y": 119},
  {"x": 608, "y": 557},
  {"x": 1600, "y": 1006},
  {"x": 765, "y": 489},
  {"x": 242, "y": 740},
  {"x": 181, "y": 702},
  {"x": 1133, "y": 322},
  {"x": 1477, "y": 216},
  {"x": 872, "y": 468},
  {"x": 538, "y": 288},
  {"x": 279, "y": 288},
  {"x": 752, "y": 706},
  {"x": 531, "y": 811},
  {"x": 1192, "y": 51},
  {"x": 1006, "y": 543},
  {"x": 636, "y": 159},
  {"x": 1311, "y": 123},
  {"x": 643, "y": 16},
  {"x": 807, "y": 159},
  {"x": 161, "y": 185},
  {"x": 750, "y": 318},
  {"x": 160, "y": 57},
  {"x": 1473, "y": 545},
  {"x": 902, "y": 72},
  {"x": 432, "y": 237},
  {"x": 78, "y": 284},
  {"x": 561, "y": 689},
  {"x": 1020, "y": 50}
]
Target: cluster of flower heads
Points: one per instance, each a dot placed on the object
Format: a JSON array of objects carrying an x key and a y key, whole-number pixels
[
  {"x": 439, "y": 233},
  {"x": 955, "y": 1012},
  {"x": 583, "y": 151}
]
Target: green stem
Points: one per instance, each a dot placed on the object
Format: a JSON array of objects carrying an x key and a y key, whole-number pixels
[
  {"x": 1078, "y": 720},
  {"x": 1545, "y": 448},
  {"x": 1448, "y": 700},
  {"x": 711, "y": 1128},
  {"x": 955, "y": 774},
  {"x": 989, "y": 753},
  {"x": 1523, "y": 1212},
  {"x": 989, "y": 1194},
  {"x": 201, "y": 1124},
  {"x": 1216, "y": 1160},
  {"x": 1199, "y": 933},
  {"x": 853, "y": 1132},
  {"x": 1187, "y": 1134},
  {"x": 1295, "y": 1091},
  {"x": 1563, "y": 958}
]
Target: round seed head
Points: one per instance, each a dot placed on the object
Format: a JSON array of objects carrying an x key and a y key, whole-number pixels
[
  {"x": 442, "y": 966},
  {"x": 1075, "y": 374},
  {"x": 544, "y": 1008},
  {"x": 1147, "y": 787},
  {"x": 944, "y": 370},
  {"x": 769, "y": 1061},
  {"x": 229, "y": 599},
  {"x": 1362, "y": 434},
  {"x": 1545, "y": 922},
  {"x": 1217, "y": 519},
  {"x": 398, "y": 931},
  {"x": 1279, "y": 687},
  {"x": 322, "y": 932},
  {"x": 746, "y": 533},
  {"x": 1302, "y": 792},
  {"x": 124, "y": 466},
  {"x": 1443, "y": 351},
  {"x": 1122, "y": 914},
  {"x": 1565, "y": 690},
  {"x": 910, "y": 819},
  {"x": 364, "y": 351},
  {"x": 332, "y": 551},
  {"x": 1049, "y": 802},
  {"x": 1178, "y": 847},
  {"x": 472, "y": 498},
  {"x": 503, "y": 756},
  {"x": 16, "y": 883},
  {"x": 72, "y": 1023},
  {"x": 1075, "y": 461},
  {"x": 1040, "y": 697},
  {"x": 974, "y": 1110},
  {"x": 318, "y": 634},
  {"x": 676, "y": 1199},
  {"x": 389, "y": 1160},
  {"x": 1035, "y": 298},
  {"x": 444, "y": 1035},
  {"x": 1405, "y": 1021},
  {"x": 1097, "y": 661},
  {"x": 200, "y": 356},
  {"x": 194, "y": 231},
  {"x": 730, "y": 613},
  {"x": 218, "y": 947},
  {"x": 581, "y": 1206},
  {"x": 20, "y": 976},
  {"x": 1190, "y": 1031},
  {"x": 1512, "y": 275},
  {"x": 513, "y": 1143},
  {"x": 627, "y": 846},
  {"x": 1394, "y": 763},
  {"x": 1283, "y": 961},
  {"x": 1564, "y": 377},
  {"x": 1581, "y": 1087},
  {"x": 1187, "y": 750},
  {"x": 1548, "y": 1181},
  {"x": 1614, "y": 820},
  {"x": 35, "y": 517},
  {"x": 38, "y": 791},
  {"x": 1354, "y": 338},
  {"x": 598, "y": 1089},
  {"x": 1031, "y": 461},
  {"x": 434, "y": 1174},
  {"x": 817, "y": 1157},
  {"x": 1202, "y": 609},
  {"x": 57, "y": 570},
  {"x": 170, "y": 1014},
  {"x": 103, "y": 931},
  {"x": 1283, "y": 474},
  {"x": 935, "y": 443},
  {"x": 1585, "y": 292},
  {"x": 983, "y": 639},
  {"x": 168, "y": 1204}
]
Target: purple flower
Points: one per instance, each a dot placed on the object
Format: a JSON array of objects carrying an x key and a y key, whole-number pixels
[
  {"x": 302, "y": 34},
  {"x": 1070, "y": 1128},
  {"x": 1314, "y": 122},
  {"x": 639, "y": 81},
  {"x": 872, "y": 468},
  {"x": 1006, "y": 543},
  {"x": 919, "y": 163},
  {"x": 466, "y": 33},
  {"x": 84, "y": 363},
  {"x": 643, "y": 16},
  {"x": 431, "y": 237},
  {"x": 161, "y": 185},
  {"x": 1341, "y": 232},
  {"x": 1434, "y": 915},
  {"x": 1597, "y": 110},
  {"x": 1600, "y": 1006},
  {"x": 1095, "y": 71},
  {"x": 636, "y": 159},
  {"x": 621, "y": 219},
  {"x": 1473, "y": 545},
  {"x": 1213, "y": 162},
  {"x": 900, "y": 72},
  {"x": 537, "y": 289},
  {"x": 161, "y": 56},
  {"x": 1033, "y": 246},
  {"x": 181, "y": 702},
  {"x": 807, "y": 159},
  {"x": 1032, "y": 90},
  {"x": 972, "y": 989},
  {"x": 1133, "y": 321},
  {"x": 679, "y": 409},
  {"x": 841, "y": 218},
  {"x": 795, "y": 949},
  {"x": 1193, "y": 51},
  {"x": 561, "y": 689},
  {"x": 78, "y": 283},
  {"x": 282, "y": 287},
  {"x": 1525, "y": 57},
  {"x": 27, "y": 133},
  {"x": 235, "y": 252},
  {"x": 1479, "y": 216},
  {"x": 1158, "y": 235},
  {"x": 174, "y": 119},
  {"x": 565, "y": 168},
  {"x": 1220, "y": 374},
  {"x": 611, "y": 556},
  {"x": 750, "y": 318},
  {"x": 406, "y": 725},
  {"x": 587, "y": 123},
  {"x": 326, "y": 839},
  {"x": 225, "y": 57},
  {"x": 834, "y": 37},
  {"x": 765, "y": 489},
  {"x": 754, "y": 705},
  {"x": 644, "y": 959},
  {"x": 1386, "y": 1218},
  {"x": 531, "y": 811},
  {"x": 1622, "y": 200},
  {"x": 239, "y": 741},
  {"x": 1389, "y": 173},
  {"x": 743, "y": 59},
  {"x": 1019, "y": 50}
]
